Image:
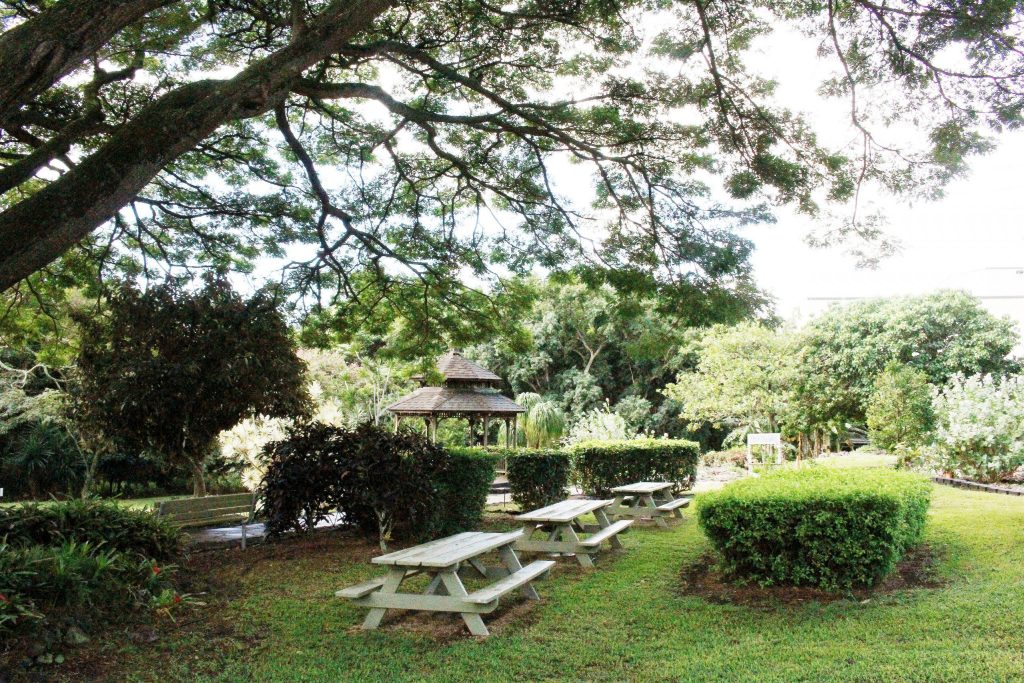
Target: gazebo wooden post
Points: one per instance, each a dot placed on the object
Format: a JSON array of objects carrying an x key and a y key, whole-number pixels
[
  {"x": 487, "y": 429},
  {"x": 398, "y": 422},
  {"x": 432, "y": 428}
]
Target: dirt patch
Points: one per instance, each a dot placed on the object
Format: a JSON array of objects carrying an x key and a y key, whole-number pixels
[{"x": 705, "y": 579}]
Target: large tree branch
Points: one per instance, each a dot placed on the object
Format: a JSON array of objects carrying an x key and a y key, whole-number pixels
[
  {"x": 39, "y": 229},
  {"x": 37, "y": 53}
]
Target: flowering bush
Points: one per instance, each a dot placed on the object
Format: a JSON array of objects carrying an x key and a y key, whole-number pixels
[
  {"x": 600, "y": 425},
  {"x": 979, "y": 427},
  {"x": 244, "y": 443}
]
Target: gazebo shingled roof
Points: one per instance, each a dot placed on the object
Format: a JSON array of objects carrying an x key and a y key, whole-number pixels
[
  {"x": 454, "y": 366},
  {"x": 469, "y": 391},
  {"x": 444, "y": 401}
]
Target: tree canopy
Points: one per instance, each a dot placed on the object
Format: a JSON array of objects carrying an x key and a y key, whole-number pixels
[
  {"x": 384, "y": 152},
  {"x": 942, "y": 334},
  {"x": 168, "y": 369}
]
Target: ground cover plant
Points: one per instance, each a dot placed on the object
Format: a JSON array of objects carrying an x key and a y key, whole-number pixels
[
  {"x": 71, "y": 567},
  {"x": 830, "y": 528},
  {"x": 632, "y": 619}
]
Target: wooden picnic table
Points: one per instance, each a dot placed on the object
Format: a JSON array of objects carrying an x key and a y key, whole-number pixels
[
  {"x": 448, "y": 560},
  {"x": 651, "y": 499},
  {"x": 561, "y": 522}
]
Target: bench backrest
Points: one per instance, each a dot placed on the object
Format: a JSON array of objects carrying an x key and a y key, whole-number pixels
[{"x": 233, "y": 507}]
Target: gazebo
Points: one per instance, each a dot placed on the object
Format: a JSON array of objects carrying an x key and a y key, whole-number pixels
[{"x": 468, "y": 391}]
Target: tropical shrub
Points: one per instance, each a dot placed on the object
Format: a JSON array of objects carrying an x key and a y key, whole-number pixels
[
  {"x": 170, "y": 368},
  {"x": 602, "y": 465},
  {"x": 899, "y": 412},
  {"x": 462, "y": 488},
  {"x": 389, "y": 485},
  {"x": 544, "y": 424},
  {"x": 101, "y": 524},
  {"x": 81, "y": 562},
  {"x": 538, "y": 477},
  {"x": 600, "y": 425},
  {"x": 830, "y": 528},
  {"x": 979, "y": 427},
  {"x": 41, "y": 459}
]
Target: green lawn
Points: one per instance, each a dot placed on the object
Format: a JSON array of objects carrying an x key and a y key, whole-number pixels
[{"x": 625, "y": 621}]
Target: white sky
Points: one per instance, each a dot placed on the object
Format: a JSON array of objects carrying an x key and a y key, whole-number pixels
[{"x": 955, "y": 242}]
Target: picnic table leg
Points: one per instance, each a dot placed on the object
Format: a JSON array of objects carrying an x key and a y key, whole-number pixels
[
  {"x": 567, "y": 534},
  {"x": 511, "y": 562},
  {"x": 479, "y": 566},
  {"x": 655, "y": 512},
  {"x": 474, "y": 623},
  {"x": 616, "y": 504},
  {"x": 394, "y": 579},
  {"x": 602, "y": 521},
  {"x": 436, "y": 587}
]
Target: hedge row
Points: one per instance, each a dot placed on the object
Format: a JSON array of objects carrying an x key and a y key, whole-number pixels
[
  {"x": 833, "y": 529},
  {"x": 602, "y": 465},
  {"x": 385, "y": 484}
]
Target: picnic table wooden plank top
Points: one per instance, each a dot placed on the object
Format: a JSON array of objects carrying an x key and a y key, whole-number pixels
[
  {"x": 564, "y": 511},
  {"x": 445, "y": 552},
  {"x": 643, "y": 487}
]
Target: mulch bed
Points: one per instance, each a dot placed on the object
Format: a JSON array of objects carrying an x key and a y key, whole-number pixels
[{"x": 704, "y": 579}]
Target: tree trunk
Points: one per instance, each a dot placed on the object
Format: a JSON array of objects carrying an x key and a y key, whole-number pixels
[
  {"x": 40, "y": 228},
  {"x": 198, "y": 478},
  {"x": 90, "y": 474},
  {"x": 37, "y": 53}
]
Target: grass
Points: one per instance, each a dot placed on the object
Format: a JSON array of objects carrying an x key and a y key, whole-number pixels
[{"x": 628, "y": 620}]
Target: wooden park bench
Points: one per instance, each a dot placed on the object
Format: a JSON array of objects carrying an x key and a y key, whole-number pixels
[
  {"x": 648, "y": 499},
  {"x": 562, "y": 521},
  {"x": 232, "y": 508},
  {"x": 448, "y": 560}
]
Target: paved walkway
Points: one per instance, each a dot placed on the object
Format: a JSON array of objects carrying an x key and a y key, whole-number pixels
[{"x": 256, "y": 532}]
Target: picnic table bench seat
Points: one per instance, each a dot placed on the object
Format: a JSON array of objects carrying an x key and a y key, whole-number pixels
[
  {"x": 607, "y": 532},
  {"x": 511, "y": 582},
  {"x": 447, "y": 561},
  {"x": 648, "y": 500},
  {"x": 677, "y": 503}
]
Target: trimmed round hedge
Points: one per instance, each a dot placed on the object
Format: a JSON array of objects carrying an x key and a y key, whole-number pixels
[
  {"x": 536, "y": 477},
  {"x": 833, "y": 529},
  {"x": 603, "y": 465}
]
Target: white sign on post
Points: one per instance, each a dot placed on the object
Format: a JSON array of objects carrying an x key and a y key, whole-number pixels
[{"x": 770, "y": 439}]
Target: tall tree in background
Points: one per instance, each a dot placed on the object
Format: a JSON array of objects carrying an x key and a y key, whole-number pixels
[
  {"x": 445, "y": 127},
  {"x": 168, "y": 369},
  {"x": 742, "y": 379},
  {"x": 941, "y": 334},
  {"x": 584, "y": 345}
]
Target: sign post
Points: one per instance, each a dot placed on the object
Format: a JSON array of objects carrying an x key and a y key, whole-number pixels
[{"x": 772, "y": 440}]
